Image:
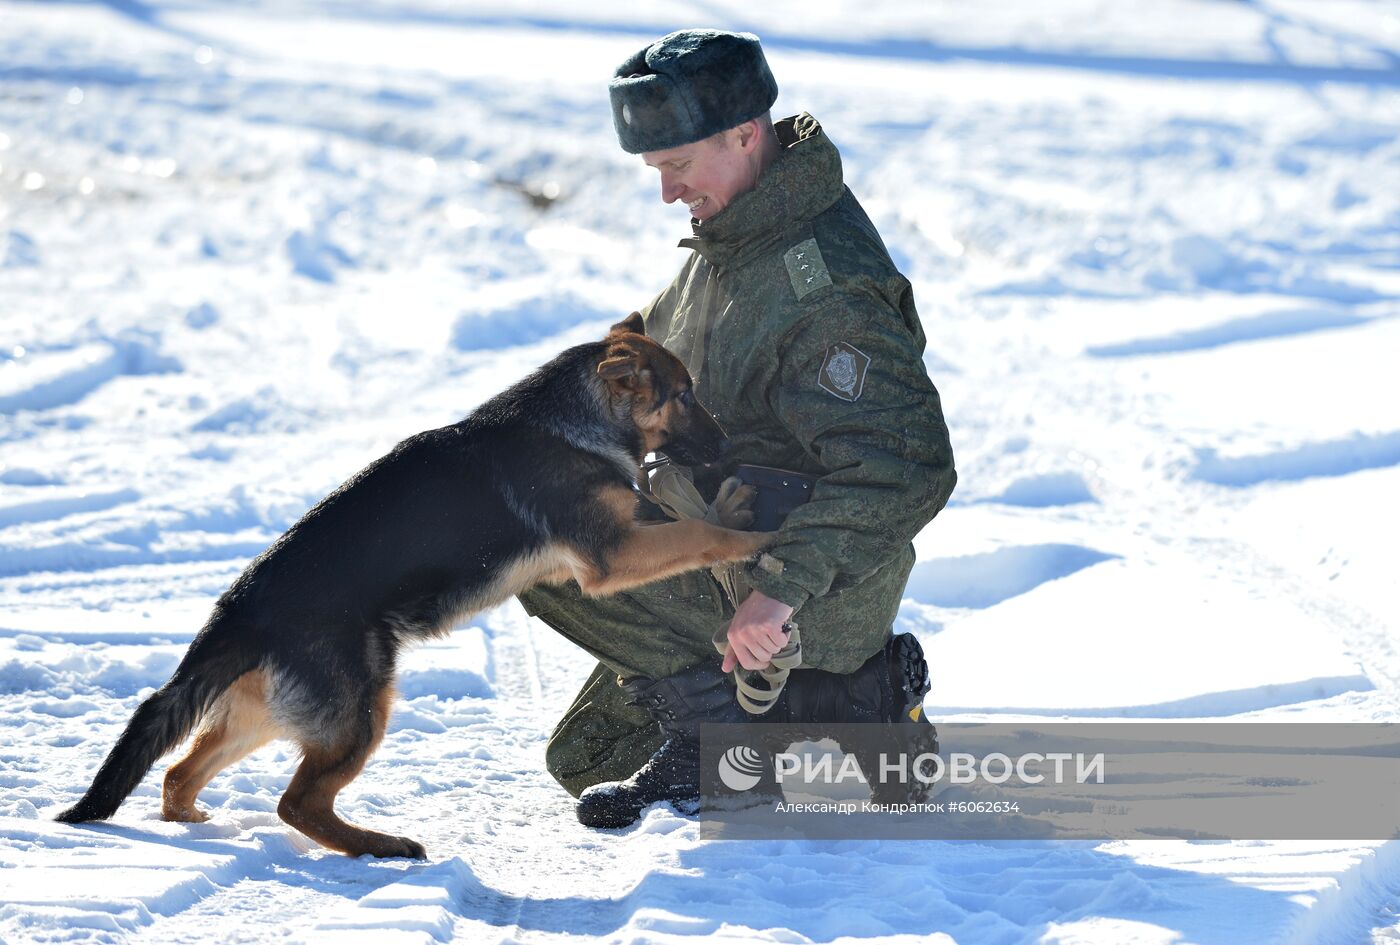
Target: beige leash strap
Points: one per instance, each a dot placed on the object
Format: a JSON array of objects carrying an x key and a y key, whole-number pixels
[
  {"x": 757, "y": 700},
  {"x": 670, "y": 488}
]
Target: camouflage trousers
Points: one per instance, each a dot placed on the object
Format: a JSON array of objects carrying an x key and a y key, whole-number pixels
[{"x": 653, "y": 631}]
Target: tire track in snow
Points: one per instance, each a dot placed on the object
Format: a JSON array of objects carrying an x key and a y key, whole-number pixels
[
  {"x": 46, "y": 380},
  {"x": 56, "y": 506},
  {"x": 1265, "y": 327},
  {"x": 1365, "y": 894},
  {"x": 1322, "y": 458},
  {"x": 518, "y": 682},
  {"x": 1348, "y": 914}
]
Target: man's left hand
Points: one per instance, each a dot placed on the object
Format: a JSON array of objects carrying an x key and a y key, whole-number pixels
[{"x": 756, "y": 632}]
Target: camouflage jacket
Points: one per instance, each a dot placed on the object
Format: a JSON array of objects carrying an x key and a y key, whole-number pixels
[{"x": 803, "y": 340}]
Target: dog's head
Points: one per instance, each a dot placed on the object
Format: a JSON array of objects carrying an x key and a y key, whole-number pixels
[{"x": 653, "y": 389}]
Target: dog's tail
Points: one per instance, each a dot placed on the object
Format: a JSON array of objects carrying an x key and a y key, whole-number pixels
[{"x": 216, "y": 658}]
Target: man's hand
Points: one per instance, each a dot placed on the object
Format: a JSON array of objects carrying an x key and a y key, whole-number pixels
[{"x": 756, "y": 632}]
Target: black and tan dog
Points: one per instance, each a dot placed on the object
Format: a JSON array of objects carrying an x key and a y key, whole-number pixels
[{"x": 536, "y": 485}]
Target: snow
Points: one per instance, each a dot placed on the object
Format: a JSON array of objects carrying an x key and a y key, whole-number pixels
[{"x": 246, "y": 247}]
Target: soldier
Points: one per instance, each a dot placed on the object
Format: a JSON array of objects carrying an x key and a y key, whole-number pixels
[{"x": 803, "y": 340}]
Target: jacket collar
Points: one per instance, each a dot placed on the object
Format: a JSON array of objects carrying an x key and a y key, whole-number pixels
[{"x": 799, "y": 185}]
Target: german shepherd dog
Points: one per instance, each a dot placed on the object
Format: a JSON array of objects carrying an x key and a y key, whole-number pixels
[{"x": 537, "y": 485}]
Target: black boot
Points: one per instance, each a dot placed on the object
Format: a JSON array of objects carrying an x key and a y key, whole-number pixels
[
  {"x": 679, "y": 704},
  {"x": 890, "y": 688}
]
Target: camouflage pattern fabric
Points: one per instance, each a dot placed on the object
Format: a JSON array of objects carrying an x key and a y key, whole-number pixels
[
  {"x": 600, "y": 738},
  {"x": 653, "y": 631},
  {"x": 803, "y": 340},
  {"x": 824, "y": 377}
]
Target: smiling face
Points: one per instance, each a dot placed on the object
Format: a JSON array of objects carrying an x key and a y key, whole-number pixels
[{"x": 707, "y": 175}]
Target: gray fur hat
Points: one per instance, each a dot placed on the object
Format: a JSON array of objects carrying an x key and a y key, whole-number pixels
[{"x": 689, "y": 85}]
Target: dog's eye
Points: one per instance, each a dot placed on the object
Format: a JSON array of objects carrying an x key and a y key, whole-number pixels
[{"x": 686, "y": 398}]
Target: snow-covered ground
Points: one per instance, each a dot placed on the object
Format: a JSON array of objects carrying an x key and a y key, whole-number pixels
[{"x": 245, "y": 247}]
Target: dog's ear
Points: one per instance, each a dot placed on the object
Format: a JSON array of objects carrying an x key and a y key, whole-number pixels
[
  {"x": 621, "y": 367},
  {"x": 632, "y": 324}
]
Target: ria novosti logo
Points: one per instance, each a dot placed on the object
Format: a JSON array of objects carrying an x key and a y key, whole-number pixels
[{"x": 742, "y": 767}]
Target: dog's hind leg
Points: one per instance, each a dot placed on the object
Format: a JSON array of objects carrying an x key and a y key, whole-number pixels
[
  {"x": 309, "y": 803},
  {"x": 237, "y": 724}
]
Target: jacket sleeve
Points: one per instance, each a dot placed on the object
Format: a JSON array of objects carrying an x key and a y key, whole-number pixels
[{"x": 850, "y": 384}]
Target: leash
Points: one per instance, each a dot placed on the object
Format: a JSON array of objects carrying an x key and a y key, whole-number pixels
[{"x": 670, "y": 489}]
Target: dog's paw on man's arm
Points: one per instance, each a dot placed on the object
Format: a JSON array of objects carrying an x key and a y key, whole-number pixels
[{"x": 733, "y": 505}]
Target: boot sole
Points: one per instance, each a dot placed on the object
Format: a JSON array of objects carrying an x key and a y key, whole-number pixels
[{"x": 908, "y": 666}]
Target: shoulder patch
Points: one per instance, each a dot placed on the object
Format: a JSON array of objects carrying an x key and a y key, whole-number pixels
[
  {"x": 843, "y": 371},
  {"x": 806, "y": 268}
]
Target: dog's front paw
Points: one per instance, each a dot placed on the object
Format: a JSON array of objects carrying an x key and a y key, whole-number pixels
[
  {"x": 180, "y": 814},
  {"x": 390, "y": 846},
  {"x": 413, "y": 849},
  {"x": 733, "y": 504}
]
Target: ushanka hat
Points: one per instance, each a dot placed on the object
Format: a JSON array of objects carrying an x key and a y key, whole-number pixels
[{"x": 689, "y": 85}]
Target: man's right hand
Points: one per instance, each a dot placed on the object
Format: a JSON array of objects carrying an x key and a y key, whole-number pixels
[{"x": 756, "y": 632}]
